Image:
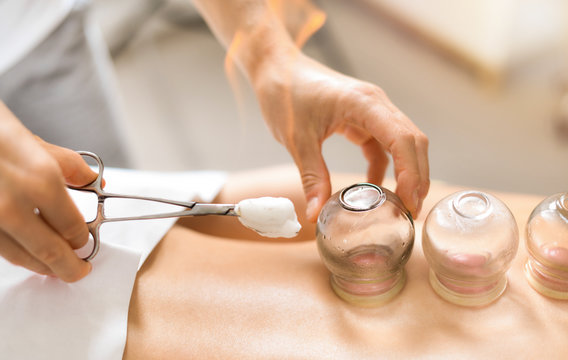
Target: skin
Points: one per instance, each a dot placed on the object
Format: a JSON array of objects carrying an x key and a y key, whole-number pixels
[
  {"x": 304, "y": 102},
  {"x": 204, "y": 296},
  {"x": 34, "y": 175}
]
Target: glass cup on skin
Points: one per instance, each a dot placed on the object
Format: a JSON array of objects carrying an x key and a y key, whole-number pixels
[
  {"x": 547, "y": 244},
  {"x": 469, "y": 240},
  {"x": 365, "y": 237}
]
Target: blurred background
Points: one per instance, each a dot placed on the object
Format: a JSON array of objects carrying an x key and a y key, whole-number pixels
[{"x": 486, "y": 80}]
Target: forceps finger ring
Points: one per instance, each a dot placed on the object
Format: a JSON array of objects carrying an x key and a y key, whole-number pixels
[{"x": 96, "y": 187}]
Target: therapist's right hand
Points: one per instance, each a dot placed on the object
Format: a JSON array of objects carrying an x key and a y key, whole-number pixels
[{"x": 39, "y": 223}]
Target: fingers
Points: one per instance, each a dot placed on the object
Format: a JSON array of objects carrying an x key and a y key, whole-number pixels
[
  {"x": 47, "y": 246},
  {"x": 407, "y": 145},
  {"x": 75, "y": 169},
  {"x": 372, "y": 150},
  {"x": 314, "y": 174},
  {"x": 424, "y": 168},
  {"x": 14, "y": 253},
  {"x": 70, "y": 227},
  {"x": 38, "y": 215},
  {"x": 38, "y": 242},
  {"x": 77, "y": 172},
  {"x": 409, "y": 152},
  {"x": 377, "y": 159},
  {"x": 407, "y": 172}
]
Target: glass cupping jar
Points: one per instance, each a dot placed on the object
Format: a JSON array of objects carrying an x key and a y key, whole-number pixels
[
  {"x": 547, "y": 245},
  {"x": 365, "y": 237},
  {"x": 469, "y": 240}
]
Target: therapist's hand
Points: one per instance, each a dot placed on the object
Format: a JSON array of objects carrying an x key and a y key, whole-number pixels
[
  {"x": 305, "y": 102},
  {"x": 39, "y": 223}
]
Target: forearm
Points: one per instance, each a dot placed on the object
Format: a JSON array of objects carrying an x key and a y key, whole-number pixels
[{"x": 251, "y": 31}]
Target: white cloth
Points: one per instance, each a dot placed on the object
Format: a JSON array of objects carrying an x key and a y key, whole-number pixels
[
  {"x": 25, "y": 23},
  {"x": 46, "y": 318}
]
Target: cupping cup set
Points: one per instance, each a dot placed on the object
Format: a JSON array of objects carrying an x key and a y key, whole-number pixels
[{"x": 365, "y": 237}]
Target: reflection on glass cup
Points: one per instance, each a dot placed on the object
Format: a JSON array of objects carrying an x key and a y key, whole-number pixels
[
  {"x": 365, "y": 236},
  {"x": 547, "y": 244},
  {"x": 469, "y": 240}
]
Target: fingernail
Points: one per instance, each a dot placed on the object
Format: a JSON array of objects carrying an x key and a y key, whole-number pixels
[
  {"x": 312, "y": 208},
  {"x": 415, "y": 200}
]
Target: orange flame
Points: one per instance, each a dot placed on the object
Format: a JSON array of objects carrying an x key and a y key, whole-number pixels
[
  {"x": 231, "y": 71},
  {"x": 301, "y": 18}
]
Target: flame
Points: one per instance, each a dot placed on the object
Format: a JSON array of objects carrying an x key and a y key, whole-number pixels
[
  {"x": 301, "y": 19},
  {"x": 231, "y": 71}
]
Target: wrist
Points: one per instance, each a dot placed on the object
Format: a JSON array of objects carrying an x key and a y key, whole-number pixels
[{"x": 260, "y": 47}]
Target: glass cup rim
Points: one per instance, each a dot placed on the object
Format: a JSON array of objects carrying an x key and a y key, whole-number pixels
[
  {"x": 380, "y": 198},
  {"x": 481, "y": 214}
]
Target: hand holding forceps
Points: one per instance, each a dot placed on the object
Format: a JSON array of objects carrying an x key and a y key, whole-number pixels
[{"x": 192, "y": 208}]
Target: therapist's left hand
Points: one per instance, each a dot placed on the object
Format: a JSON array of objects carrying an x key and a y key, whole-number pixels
[{"x": 305, "y": 102}]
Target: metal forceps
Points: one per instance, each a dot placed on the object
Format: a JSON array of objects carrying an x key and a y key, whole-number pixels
[{"x": 192, "y": 208}]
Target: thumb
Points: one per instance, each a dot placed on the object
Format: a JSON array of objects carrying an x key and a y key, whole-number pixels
[
  {"x": 74, "y": 168},
  {"x": 315, "y": 179}
]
